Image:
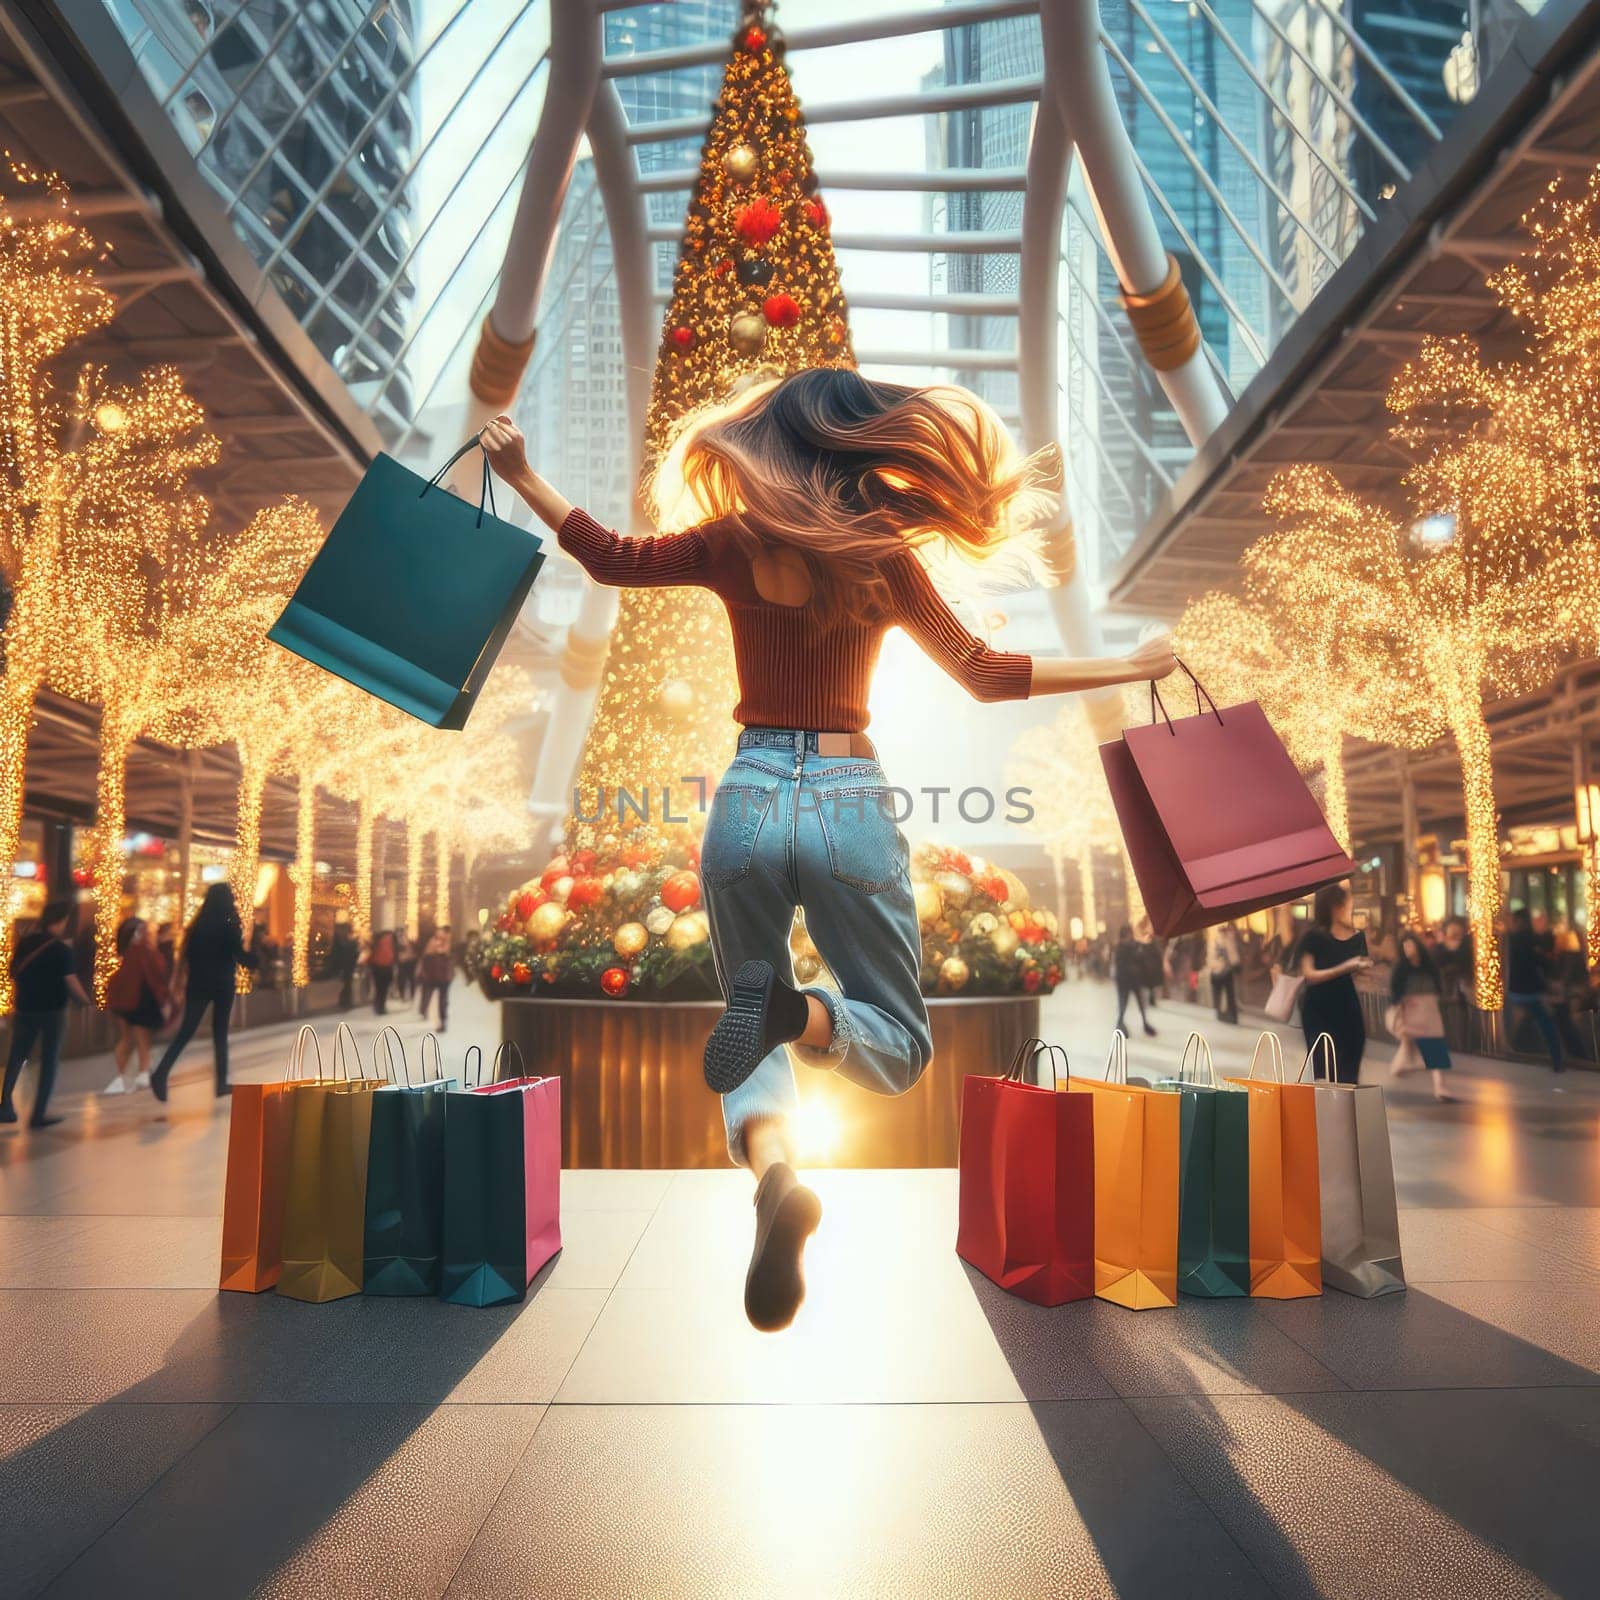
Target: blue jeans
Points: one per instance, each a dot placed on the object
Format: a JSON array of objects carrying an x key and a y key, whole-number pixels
[{"x": 789, "y": 828}]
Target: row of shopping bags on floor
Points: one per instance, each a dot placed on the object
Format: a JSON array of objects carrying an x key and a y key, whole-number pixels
[
  {"x": 354, "y": 1183},
  {"x": 1264, "y": 1186}
]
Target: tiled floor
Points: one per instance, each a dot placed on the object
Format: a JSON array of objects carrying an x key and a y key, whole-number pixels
[{"x": 917, "y": 1433}]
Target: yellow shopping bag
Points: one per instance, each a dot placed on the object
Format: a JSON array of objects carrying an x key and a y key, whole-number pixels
[{"x": 1135, "y": 1186}]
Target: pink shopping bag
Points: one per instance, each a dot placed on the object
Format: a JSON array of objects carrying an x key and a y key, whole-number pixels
[{"x": 1216, "y": 817}]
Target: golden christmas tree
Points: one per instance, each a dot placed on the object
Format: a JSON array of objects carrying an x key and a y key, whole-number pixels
[{"x": 756, "y": 293}]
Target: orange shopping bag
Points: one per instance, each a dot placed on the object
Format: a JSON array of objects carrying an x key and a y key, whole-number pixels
[
  {"x": 1135, "y": 1186},
  {"x": 1285, "y": 1186},
  {"x": 258, "y": 1163}
]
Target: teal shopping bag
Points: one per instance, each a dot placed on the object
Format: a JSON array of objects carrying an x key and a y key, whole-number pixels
[
  {"x": 413, "y": 593},
  {"x": 405, "y": 1173},
  {"x": 502, "y": 1185},
  {"x": 1213, "y": 1179}
]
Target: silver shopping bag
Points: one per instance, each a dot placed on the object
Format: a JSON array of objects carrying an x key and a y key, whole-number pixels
[{"x": 1360, "y": 1219}]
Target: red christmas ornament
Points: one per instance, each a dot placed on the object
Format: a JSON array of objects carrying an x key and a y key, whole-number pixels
[
  {"x": 755, "y": 39},
  {"x": 522, "y": 973},
  {"x": 585, "y": 892},
  {"x": 527, "y": 904},
  {"x": 816, "y": 213},
  {"x": 505, "y": 922},
  {"x": 583, "y": 862},
  {"x": 1031, "y": 933},
  {"x": 497, "y": 972},
  {"x": 782, "y": 310},
  {"x": 1030, "y": 980},
  {"x": 614, "y": 980},
  {"x": 722, "y": 268},
  {"x": 683, "y": 338},
  {"x": 1053, "y": 976},
  {"x": 681, "y": 891},
  {"x": 758, "y": 221},
  {"x": 560, "y": 867},
  {"x": 995, "y": 887}
]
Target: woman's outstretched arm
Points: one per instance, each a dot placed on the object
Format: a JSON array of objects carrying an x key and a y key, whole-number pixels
[
  {"x": 989, "y": 674},
  {"x": 664, "y": 562}
]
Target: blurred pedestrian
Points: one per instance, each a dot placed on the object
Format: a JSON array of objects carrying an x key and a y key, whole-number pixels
[
  {"x": 43, "y": 980},
  {"x": 1223, "y": 961},
  {"x": 208, "y": 964},
  {"x": 1527, "y": 982},
  {"x": 1414, "y": 1015},
  {"x": 1127, "y": 966},
  {"x": 380, "y": 963},
  {"x": 139, "y": 997},
  {"x": 437, "y": 971}
]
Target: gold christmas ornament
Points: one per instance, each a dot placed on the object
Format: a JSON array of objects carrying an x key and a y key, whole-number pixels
[
  {"x": 687, "y": 931},
  {"x": 630, "y": 939},
  {"x": 740, "y": 163},
  {"x": 953, "y": 973},
  {"x": 747, "y": 333},
  {"x": 546, "y": 923},
  {"x": 983, "y": 925},
  {"x": 929, "y": 903},
  {"x": 1004, "y": 940}
]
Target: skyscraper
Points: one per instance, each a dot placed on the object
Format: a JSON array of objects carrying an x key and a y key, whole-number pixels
[{"x": 302, "y": 118}]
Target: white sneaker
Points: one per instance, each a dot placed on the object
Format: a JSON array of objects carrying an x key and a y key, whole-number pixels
[
  {"x": 118, "y": 1085},
  {"x": 142, "y": 1081}
]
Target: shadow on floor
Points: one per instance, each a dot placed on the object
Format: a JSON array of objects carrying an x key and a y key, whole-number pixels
[{"x": 1411, "y": 1423}]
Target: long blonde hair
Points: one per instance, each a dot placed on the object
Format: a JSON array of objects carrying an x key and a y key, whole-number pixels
[{"x": 850, "y": 472}]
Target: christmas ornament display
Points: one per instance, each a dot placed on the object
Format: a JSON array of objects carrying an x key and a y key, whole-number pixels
[
  {"x": 740, "y": 163},
  {"x": 747, "y": 333},
  {"x": 630, "y": 939},
  {"x": 614, "y": 980}
]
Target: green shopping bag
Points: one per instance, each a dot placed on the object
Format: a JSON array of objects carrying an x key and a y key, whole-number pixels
[
  {"x": 405, "y": 1173},
  {"x": 413, "y": 593},
  {"x": 1213, "y": 1179}
]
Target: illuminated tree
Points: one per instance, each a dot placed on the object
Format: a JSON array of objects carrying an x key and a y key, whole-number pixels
[
  {"x": 49, "y": 300},
  {"x": 1479, "y": 613},
  {"x": 1315, "y": 670},
  {"x": 756, "y": 290}
]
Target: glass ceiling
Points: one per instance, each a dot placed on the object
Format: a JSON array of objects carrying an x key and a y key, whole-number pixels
[{"x": 371, "y": 156}]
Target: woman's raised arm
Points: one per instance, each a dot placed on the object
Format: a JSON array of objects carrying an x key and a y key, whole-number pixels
[{"x": 607, "y": 557}]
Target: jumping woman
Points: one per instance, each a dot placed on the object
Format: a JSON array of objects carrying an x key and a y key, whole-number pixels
[{"x": 825, "y": 496}]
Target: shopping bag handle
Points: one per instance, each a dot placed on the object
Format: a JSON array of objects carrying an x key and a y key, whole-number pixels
[
  {"x": 1117, "y": 1058},
  {"x": 438, "y": 1059},
  {"x": 1196, "y": 1038},
  {"x": 385, "y": 1034},
  {"x": 297, "y": 1056},
  {"x": 1274, "y": 1055},
  {"x": 340, "y": 1034},
  {"x": 1329, "y": 1056},
  {"x": 500, "y": 1056},
  {"x": 485, "y": 495},
  {"x": 1199, "y": 689},
  {"x": 1028, "y": 1052},
  {"x": 473, "y": 1078}
]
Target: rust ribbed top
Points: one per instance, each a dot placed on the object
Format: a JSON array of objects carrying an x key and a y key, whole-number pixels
[{"x": 795, "y": 669}]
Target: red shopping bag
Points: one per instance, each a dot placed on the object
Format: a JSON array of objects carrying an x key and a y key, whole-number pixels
[
  {"x": 1217, "y": 819},
  {"x": 1027, "y": 1183}
]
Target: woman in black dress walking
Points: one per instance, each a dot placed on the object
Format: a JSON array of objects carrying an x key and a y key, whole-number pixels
[{"x": 1331, "y": 952}]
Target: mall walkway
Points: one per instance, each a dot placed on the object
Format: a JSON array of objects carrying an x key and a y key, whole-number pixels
[{"x": 917, "y": 1433}]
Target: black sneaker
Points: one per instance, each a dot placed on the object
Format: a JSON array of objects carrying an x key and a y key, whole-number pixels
[
  {"x": 763, "y": 1012},
  {"x": 787, "y": 1214},
  {"x": 8, "y": 1112},
  {"x": 44, "y": 1122}
]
